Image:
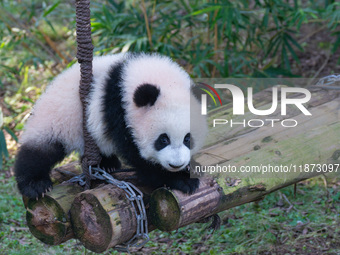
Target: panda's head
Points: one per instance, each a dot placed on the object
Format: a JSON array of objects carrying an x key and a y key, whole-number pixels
[
  {"x": 143, "y": 104},
  {"x": 159, "y": 112},
  {"x": 164, "y": 135}
]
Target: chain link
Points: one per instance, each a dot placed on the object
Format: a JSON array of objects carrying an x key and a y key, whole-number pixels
[
  {"x": 328, "y": 80},
  {"x": 134, "y": 195}
]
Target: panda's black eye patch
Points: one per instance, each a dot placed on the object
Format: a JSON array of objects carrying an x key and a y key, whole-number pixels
[
  {"x": 162, "y": 141},
  {"x": 187, "y": 139}
]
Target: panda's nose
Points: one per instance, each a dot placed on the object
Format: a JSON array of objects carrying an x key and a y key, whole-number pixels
[{"x": 173, "y": 166}]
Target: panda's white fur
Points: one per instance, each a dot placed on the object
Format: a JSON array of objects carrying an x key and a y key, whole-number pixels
[
  {"x": 57, "y": 116},
  {"x": 59, "y": 109}
]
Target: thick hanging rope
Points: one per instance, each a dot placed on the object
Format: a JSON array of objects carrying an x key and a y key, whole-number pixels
[{"x": 91, "y": 155}]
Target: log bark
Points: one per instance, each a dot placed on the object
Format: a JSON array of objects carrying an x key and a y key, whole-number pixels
[
  {"x": 102, "y": 218},
  {"x": 65, "y": 172},
  {"x": 48, "y": 218}
]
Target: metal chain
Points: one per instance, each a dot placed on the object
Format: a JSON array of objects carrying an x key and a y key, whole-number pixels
[
  {"x": 328, "y": 80},
  {"x": 134, "y": 195}
]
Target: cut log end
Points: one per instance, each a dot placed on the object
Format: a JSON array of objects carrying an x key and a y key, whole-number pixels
[
  {"x": 171, "y": 209},
  {"x": 102, "y": 218},
  {"x": 164, "y": 209},
  {"x": 47, "y": 218},
  {"x": 89, "y": 220}
]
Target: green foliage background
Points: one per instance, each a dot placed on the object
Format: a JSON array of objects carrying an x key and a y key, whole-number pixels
[{"x": 212, "y": 38}]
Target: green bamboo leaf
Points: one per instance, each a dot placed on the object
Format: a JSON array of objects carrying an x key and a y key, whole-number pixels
[
  {"x": 276, "y": 21},
  {"x": 205, "y": 10},
  {"x": 228, "y": 18},
  {"x": 265, "y": 18},
  {"x": 290, "y": 38},
  {"x": 3, "y": 145},
  {"x": 197, "y": 71},
  {"x": 97, "y": 25},
  {"x": 11, "y": 133},
  {"x": 1, "y": 118},
  {"x": 184, "y": 4},
  {"x": 285, "y": 59},
  {"x": 9, "y": 69},
  {"x": 49, "y": 10},
  {"x": 1, "y": 160},
  {"x": 50, "y": 25},
  {"x": 274, "y": 42},
  {"x": 279, "y": 43},
  {"x": 296, "y": 4},
  {"x": 205, "y": 69},
  {"x": 336, "y": 44},
  {"x": 291, "y": 50},
  {"x": 269, "y": 64}
]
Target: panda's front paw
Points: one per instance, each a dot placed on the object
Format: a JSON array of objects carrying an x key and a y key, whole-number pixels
[
  {"x": 32, "y": 188},
  {"x": 110, "y": 164},
  {"x": 186, "y": 185}
]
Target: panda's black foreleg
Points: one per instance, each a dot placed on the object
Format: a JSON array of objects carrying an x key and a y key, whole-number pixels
[
  {"x": 182, "y": 181},
  {"x": 33, "y": 165},
  {"x": 173, "y": 180},
  {"x": 111, "y": 163}
]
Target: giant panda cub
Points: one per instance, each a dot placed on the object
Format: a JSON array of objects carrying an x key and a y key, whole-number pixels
[{"x": 139, "y": 112}]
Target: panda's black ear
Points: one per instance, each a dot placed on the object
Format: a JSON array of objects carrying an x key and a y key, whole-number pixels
[{"x": 146, "y": 94}]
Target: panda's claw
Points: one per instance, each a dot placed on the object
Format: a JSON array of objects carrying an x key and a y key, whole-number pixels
[
  {"x": 109, "y": 170},
  {"x": 34, "y": 188},
  {"x": 186, "y": 185}
]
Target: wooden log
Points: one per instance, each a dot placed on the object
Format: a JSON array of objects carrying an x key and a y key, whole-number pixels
[
  {"x": 172, "y": 209},
  {"x": 65, "y": 172},
  {"x": 314, "y": 140},
  {"x": 48, "y": 218},
  {"x": 103, "y": 218}
]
